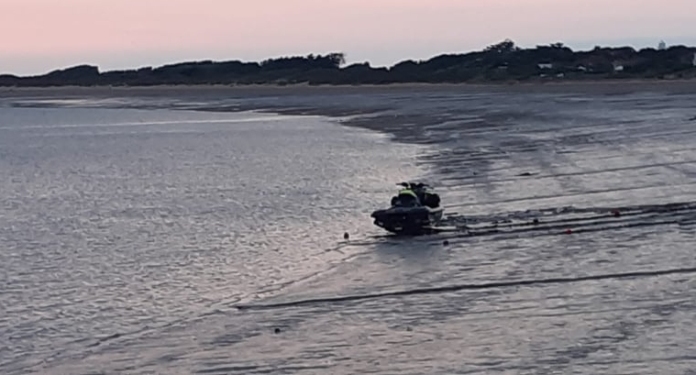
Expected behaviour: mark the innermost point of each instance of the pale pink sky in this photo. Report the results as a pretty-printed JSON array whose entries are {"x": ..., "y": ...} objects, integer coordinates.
[{"x": 40, "y": 35}]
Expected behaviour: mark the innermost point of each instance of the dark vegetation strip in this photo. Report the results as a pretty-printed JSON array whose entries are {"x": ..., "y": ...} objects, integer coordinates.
[{"x": 502, "y": 62}]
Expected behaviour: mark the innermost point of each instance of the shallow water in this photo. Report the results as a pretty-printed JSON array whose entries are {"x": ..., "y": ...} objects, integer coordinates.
[
  {"x": 152, "y": 217},
  {"x": 117, "y": 223}
]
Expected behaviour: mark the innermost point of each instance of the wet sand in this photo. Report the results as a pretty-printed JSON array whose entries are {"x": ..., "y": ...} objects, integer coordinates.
[{"x": 588, "y": 86}]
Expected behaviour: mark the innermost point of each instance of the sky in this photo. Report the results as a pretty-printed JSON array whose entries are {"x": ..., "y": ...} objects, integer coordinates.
[{"x": 37, "y": 36}]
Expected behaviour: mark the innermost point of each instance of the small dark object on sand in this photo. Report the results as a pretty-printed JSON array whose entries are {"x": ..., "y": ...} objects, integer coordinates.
[
  {"x": 445, "y": 243},
  {"x": 535, "y": 221},
  {"x": 276, "y": 331},
  {"x": 346, "y": 236},
  {"x": 616, "y": 213},
  {"x": 526, "y": 174}
]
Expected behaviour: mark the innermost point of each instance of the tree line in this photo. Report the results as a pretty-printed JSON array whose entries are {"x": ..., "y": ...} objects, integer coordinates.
[{"x": 499, "y": 62}]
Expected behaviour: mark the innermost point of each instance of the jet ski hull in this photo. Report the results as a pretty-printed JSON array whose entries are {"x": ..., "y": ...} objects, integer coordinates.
[{"x": 408, "y": 220}]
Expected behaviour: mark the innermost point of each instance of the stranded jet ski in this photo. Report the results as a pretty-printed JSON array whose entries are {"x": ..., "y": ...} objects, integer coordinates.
[{"x": 413, "y": 211}]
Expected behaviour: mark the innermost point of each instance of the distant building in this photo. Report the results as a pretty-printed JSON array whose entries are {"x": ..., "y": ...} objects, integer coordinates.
[
  {"x": 662, "y": 45},
  {"x": 618, "y": 67},
  {"x": 545, "y": 66}
]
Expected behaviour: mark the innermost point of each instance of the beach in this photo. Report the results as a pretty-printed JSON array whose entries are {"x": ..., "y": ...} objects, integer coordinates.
[{"x": 200, "y": 229}]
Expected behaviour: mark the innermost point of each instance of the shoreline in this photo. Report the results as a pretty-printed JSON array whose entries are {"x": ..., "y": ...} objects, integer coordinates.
[
  {"x": 569, "y": 86},
  {"x": 352, "y": 104}
]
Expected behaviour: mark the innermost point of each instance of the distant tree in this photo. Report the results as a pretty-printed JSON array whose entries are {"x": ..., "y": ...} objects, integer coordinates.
[
  {"x": 505, "y": 46},
  {"x": 337, "y": 59}
]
